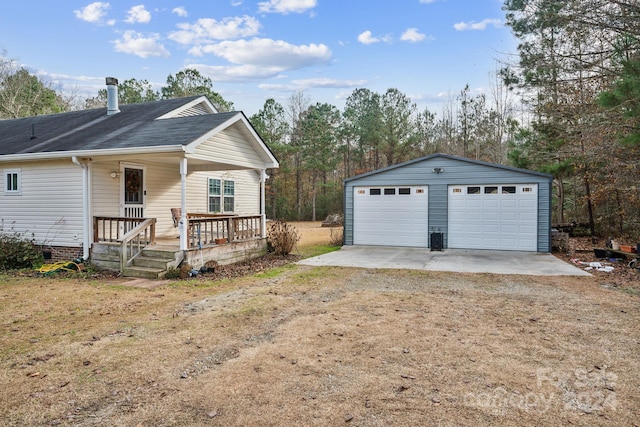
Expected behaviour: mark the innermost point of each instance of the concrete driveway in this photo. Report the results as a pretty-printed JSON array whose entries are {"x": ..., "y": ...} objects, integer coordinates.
[{"x": 456, "y": 260}]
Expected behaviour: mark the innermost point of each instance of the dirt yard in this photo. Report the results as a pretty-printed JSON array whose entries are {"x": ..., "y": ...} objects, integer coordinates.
[{"x": 300, "y": 345}]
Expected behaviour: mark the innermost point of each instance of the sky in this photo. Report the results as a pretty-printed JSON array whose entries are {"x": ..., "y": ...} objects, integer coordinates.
[{"x": 256, "y": 50}]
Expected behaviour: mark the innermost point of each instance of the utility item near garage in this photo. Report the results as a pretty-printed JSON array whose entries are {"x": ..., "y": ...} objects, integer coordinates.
[{"x": 442, "y": 201}]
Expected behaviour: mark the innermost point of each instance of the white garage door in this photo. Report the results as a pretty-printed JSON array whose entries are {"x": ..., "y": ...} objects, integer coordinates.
[
  {"x": 390, "y": 216},
  {"x": 502, "y": 217}
]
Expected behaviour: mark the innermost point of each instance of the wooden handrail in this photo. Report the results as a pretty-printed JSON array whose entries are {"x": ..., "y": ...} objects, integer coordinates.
[{"x": 137, "y": 239}]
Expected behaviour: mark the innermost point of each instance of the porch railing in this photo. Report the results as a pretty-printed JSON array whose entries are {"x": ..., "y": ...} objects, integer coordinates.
[
  {"x": 111, "y": 229},
  {"x": 202, "y": 229},
  {"x": 208, "y": 229},
  {"x": 133, "y": 235}
]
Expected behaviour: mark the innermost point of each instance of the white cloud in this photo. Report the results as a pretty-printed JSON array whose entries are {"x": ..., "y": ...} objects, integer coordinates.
[
  {"x": 367, "y": 37},
  {"x": 412, "y": 35},
  {"x": 327, "y": 83},
  {"x": 268, "y": 53},
  {"x": 180, "y": 11},
  {"x": 286, "y": 6},
  {"x": 208, "y": 29},
  {"x": 94, "y": 13},
  {"x": 136, "y": 44},
  {"x": 427, "y": 1},
  {"x": 482, "y": 25},
  {"x": 138, "y": 14},
  {"x": 236, "y": 73}
]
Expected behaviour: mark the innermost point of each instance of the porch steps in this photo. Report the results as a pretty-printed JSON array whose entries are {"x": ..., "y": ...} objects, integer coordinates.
[{"x": 153, "y": 263}]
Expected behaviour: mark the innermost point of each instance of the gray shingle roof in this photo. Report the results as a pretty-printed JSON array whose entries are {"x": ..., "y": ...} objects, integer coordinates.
[{"x": 134, "y": 127}]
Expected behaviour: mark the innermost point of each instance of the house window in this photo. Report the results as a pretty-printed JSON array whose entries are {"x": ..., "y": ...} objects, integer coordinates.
[
  {"x": 508, "y": 189},
  {"x": 404, "y": 191},
  {"x": 221, "y": 195},
  {"x": 374, "y": 192},
  {"x": 389, "y": 191},
  {"x": 229, "y": 196},
  {"x": 12, "y": 178}
]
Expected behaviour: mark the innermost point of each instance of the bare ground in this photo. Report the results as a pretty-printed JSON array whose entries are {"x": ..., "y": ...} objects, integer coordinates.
[{"x": 302, "y": 345}]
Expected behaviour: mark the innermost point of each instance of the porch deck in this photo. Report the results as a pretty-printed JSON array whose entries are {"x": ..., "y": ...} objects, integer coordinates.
[{"x": 121, "y": 244}]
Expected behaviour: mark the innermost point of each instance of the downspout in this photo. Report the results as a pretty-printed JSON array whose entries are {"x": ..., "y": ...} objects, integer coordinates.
[
  {"x": 263, "y": 208},
  {"x": 86, "y": 223},
  {"x": 183, "y": 204}
]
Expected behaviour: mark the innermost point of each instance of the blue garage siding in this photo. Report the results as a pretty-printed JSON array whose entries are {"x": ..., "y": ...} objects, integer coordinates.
[{"x": 454, "y": 171}]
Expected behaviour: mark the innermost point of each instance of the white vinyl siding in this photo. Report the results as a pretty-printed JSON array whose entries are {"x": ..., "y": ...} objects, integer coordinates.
[
  {"x": 231, "y": 147},
  {"x": 46, "y": 188}
]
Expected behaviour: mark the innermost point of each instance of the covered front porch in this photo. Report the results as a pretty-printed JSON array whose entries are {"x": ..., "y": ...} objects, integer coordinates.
[
  {"x": 132, "y": 246},
  {"x": 197, "y": 202}
]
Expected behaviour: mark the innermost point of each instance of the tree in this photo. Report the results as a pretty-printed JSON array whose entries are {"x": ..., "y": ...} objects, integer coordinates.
[
  {"x": 271, "y": 124},
  {"x": 318, "y": 128},
  {"x": 297, "y": 105},
  {"x": 23, "y": 94},
  {"x": 427, "y": 134},
  {"x": 624, "y": 98},
  {"x": 190, "y": 82},
  {"x": 567, "y": 57},
  {"x": 363, "y": 116},
  {"x": 130, "y": 91},
  {"x": 398, "y": 126}
]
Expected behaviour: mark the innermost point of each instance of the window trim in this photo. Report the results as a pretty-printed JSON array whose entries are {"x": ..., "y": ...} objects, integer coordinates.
[
  {"x": 18, "y": 182},
  {"x": 223, "y": 197}
]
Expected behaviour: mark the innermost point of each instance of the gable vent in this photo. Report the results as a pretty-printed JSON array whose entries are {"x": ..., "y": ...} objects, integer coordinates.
[{"x": 196, "y": 110}]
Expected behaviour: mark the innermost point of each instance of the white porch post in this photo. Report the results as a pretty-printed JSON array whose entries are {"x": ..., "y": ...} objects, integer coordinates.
[
  {"x": 263, "y": 207},
  {"x": 182, "y": 227}
]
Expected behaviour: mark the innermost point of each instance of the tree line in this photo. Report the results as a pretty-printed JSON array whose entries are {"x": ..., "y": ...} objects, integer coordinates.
[{"x": 568, "y": 105}]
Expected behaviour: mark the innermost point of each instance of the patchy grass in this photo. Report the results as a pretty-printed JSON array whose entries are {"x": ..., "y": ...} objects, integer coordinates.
[{"x": 301, "y": 345}]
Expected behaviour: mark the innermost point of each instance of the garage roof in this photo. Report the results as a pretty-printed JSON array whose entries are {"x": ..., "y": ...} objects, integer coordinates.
[{"x": 448, "y": 156}]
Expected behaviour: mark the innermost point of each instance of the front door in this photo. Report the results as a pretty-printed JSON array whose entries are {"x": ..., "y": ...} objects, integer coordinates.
[{"x": 133, "y": 191}]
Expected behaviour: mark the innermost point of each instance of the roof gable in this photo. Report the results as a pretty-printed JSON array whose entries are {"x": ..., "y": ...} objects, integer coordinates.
[{"x": 453, "y": 158}]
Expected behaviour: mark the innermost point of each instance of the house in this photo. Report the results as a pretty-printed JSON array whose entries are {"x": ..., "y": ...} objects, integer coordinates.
[
  {"x": 101, "y": 184},
  {"x": 442, "y": 201}
]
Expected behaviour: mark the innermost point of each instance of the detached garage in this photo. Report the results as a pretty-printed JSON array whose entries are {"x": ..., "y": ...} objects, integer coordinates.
[{"x": 442, "y": 201}]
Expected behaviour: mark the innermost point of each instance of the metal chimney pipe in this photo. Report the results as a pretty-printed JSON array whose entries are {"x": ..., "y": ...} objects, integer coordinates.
[{"x": 112, "y": 96}]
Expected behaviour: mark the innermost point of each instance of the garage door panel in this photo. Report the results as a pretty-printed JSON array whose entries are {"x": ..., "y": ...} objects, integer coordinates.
[
  {"x": 505, "y": 219},
  {"x": 391, "y": 219}
]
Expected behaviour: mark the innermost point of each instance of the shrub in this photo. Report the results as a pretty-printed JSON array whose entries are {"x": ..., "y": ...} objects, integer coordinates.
[
  {"x": 336, "y": 236},
  {"x": 282, "y": 237},
  {"x": 16, "y": 251},
  {"x": 172, "y": 274}
]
